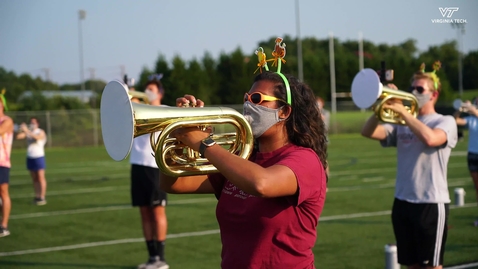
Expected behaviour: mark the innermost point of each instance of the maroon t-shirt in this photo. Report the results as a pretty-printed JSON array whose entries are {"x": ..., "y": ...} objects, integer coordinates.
[{"x": 272, "y": 232}]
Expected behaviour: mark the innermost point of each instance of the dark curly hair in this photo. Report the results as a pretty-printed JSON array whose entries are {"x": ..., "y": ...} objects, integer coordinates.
[{"x": 305, "y": 126}]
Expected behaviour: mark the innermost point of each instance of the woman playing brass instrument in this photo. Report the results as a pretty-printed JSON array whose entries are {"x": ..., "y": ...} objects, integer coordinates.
[
  {"x": 36, "y": 139},
  {"x": 269, "y": 205}
]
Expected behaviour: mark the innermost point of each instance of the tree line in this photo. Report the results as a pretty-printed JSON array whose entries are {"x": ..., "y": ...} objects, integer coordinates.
[{"x": 225, "y": 79}]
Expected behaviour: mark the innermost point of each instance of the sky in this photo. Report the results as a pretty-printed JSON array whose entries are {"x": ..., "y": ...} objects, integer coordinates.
[{"x": 41, "y": 37}]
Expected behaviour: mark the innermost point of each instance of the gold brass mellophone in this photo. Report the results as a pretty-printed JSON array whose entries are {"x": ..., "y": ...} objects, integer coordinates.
[
  {"x": 368, "y": 91},
  {"x": 123, "y": 120}
]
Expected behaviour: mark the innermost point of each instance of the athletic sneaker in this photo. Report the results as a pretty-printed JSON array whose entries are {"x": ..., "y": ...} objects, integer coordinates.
[
  {"x": 39, "y": 201},
  {"x": 154, "y": 264},
  {"x": 158, "y": 265},
  {"x": 4, "y": 231}
]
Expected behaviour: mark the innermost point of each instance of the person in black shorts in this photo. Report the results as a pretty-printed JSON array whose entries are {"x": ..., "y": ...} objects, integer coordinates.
[
  {"x": 424, "y": 143},
  {"x": 145, "y": 191}
]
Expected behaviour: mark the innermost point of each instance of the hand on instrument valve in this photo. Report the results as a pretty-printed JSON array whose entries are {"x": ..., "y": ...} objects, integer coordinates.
[
  {"x": 392, "y": 86},
  {"x": 189, "y": 100},
  {"x": 191, "y": 136},
  {"x": 396, "y": 105}
]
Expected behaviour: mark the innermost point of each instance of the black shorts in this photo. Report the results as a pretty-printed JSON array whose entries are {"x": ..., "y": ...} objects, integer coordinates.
[
  {"x": 4, "y": 175},
  {"x": 472, "y": 162},
  {"x": 145, "y": 189},
  {"x": 420, "y": 231}
]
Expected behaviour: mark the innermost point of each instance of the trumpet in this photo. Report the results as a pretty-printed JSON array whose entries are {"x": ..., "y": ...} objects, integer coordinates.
[
  {"x": 141, "y": 96},
  {"x": 368, "y": 91},
  {"x": 122, "y": 120},
  {"x": 462, "y": 106}
]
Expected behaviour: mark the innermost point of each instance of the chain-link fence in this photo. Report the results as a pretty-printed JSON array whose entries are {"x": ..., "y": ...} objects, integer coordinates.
[
  {"x": 73, "y": 128},
  {"x": 64, "y": 128}
]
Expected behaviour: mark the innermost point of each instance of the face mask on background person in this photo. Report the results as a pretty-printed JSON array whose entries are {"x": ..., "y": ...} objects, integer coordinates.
[
  {"x": 152, "y": 96},
  {"x": 260, "y": 117}
]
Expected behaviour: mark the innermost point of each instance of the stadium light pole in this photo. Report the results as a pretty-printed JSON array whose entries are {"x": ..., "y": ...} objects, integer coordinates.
[
  {"x": 360, "y": 46},
  {"x": 333, "y": 95},
  {"x": 299, "y": 42},
  {"x": 81, "y": 16},
  {"x": 460, "y": 31}
]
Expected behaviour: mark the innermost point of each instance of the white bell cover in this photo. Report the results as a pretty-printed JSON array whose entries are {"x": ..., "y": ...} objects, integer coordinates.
[
  {"x": 366, "y": 88},
  {"x": 117, "y": 120}
]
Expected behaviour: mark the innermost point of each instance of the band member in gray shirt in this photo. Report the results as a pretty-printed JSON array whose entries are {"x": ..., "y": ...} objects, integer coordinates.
[{"x": 420, "y": 209}]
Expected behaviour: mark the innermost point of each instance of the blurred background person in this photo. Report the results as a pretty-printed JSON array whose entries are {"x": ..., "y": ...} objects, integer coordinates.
[
  {"x": 325, "y": 115},
  {"x": 470, "y": 122},
  {"x": 36, "y": 164},
  {"x": 421, "y": 205},
  {"x": 130, "y": 83},
  {"x": 145, "y": 191},
  {"x": 6, "y": 140}
]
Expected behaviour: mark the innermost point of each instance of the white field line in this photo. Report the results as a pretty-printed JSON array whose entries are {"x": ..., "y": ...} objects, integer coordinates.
[
  {"x": 104, "y": 209},
  {"x": 350, "y": 172},
  {"x": 352, "y": 177},
  {"x": 189, "y": 201},
  {"x": 382, "y": 170},
  {"x": 189, "y": 234},
  {"x": 463, "y": 266},
  {"x": 379, "y": 152},
  {"x": 347, "y": 175},
  {"x": 69, "y": 170},
  {"x": 77, "y": 191},
  {"x": 375, "y": 158},
  {"x": 93, "y": 166},
  {"x": 373, "y": 179},
  {"x": 71, "y": 178},
  {"x": 458, "y": 153},
  {"x": 103, "y": 243},
  {"x": 458, "y": 182}
]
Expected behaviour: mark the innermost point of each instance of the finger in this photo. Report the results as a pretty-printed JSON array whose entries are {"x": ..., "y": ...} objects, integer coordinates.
[
  {"x": 175, "y": 133},
  {"x": 200, "y": 103},
  {"x": 392, "y": 86},
  {"x": 182, "y": 102},
  {"x": 191, "y": 99},
  {"x": 209, "y": 129}
]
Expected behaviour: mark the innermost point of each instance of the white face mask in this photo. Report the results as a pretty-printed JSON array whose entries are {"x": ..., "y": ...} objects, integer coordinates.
[
  {"x": 260, "y": 117},
  {"x": 152, "y": 96},
  {"x": 422, "y": 98}
]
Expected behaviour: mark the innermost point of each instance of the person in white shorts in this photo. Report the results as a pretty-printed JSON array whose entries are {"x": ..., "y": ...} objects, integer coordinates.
[{"x": 36, "y": 140}]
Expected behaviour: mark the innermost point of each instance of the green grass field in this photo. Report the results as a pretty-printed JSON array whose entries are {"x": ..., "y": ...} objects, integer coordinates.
[{"x": 89, "y": 223}]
